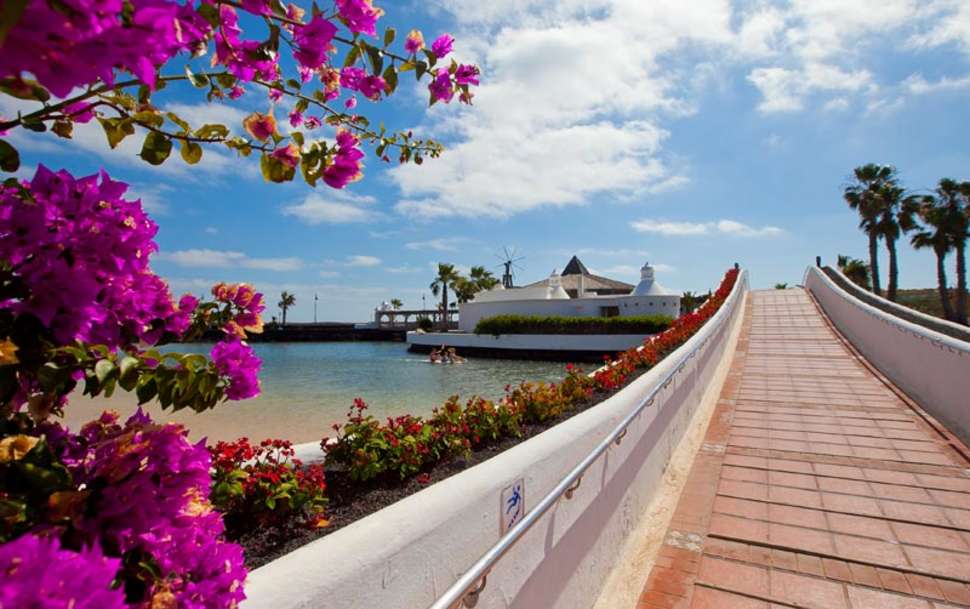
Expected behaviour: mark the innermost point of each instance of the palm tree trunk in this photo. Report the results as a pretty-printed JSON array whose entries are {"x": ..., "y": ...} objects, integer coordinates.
[
  {"x": 874, "y": 263},
  {"x": 893, "y": 269},
  {"x": 284, "y": 316},
  {"x": 444, "y": 307},
  {"x": 941, "y": 282},
  {"x": 962, "y": 282}
]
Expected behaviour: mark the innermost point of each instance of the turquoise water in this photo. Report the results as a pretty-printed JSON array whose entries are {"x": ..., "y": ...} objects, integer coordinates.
[{"x": 309, "y": 386}]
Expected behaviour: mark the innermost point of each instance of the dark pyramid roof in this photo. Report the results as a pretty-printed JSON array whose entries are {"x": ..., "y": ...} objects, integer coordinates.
[{"x": 575, "y": 267}]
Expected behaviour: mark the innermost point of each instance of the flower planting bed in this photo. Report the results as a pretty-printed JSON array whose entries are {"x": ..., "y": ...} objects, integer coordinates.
[{"x": 371, "y": 465}]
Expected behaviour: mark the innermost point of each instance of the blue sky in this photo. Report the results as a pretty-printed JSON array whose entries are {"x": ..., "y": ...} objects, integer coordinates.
[{"x": 690, "y": 134}]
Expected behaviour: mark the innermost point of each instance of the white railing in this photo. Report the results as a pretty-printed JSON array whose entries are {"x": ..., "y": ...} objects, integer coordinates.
[{"x": 932, "y": 368}]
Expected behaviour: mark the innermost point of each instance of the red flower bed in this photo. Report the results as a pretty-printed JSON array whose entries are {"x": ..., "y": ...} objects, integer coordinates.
[{"x": 408, "y": 444}]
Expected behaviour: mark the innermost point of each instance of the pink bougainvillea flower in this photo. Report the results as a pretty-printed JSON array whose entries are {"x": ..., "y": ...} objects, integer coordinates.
[
  {"x": 442, "y": 45},
  {"x": 260, "y": 126},
  {"x": 466, "y": 75},
  {"x": 350, "y": 103},
  {"x": 312, "y": 122},
  {"x": 360, "y": 15},
  {"x": 236, "y": 92},
  {"x": 80, "y": 112},
  {"x": 314, "y": 42},
  {"x": 346, "y": 164},
  {"x": 289, "y": 155},
  {"x": 296, "y": 118},
  {"x": 440, "y": 87},
  {"x": 414, "y": 42}
]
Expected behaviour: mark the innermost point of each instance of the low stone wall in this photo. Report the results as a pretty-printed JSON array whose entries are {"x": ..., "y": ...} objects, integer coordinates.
[
  {"x": 932, "y": 368},
  {"x": 556, "y": 347},
  {"x": 408, "y": 553},
  {"x": 936, "y": 324}
]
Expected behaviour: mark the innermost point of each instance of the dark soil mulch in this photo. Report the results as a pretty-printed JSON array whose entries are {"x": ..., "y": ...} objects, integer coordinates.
[{"x": 350, "y": 501}]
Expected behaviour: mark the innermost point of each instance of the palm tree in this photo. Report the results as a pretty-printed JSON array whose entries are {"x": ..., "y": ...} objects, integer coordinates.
[
  {"x": 890, "y": 197},
  {"x": 862, "y": 197},
  {"x": 465, "y": 289},
  {"x": 482, "y": 278},
  {"x": 855, "y": 269},
  {"x": 396, "y": 303},
  {"x": 935, "y": 232},
  {"x": 287, "y": 300},
  {"x": 954, "y": 197},
  {"x": 447, "y": 277}
]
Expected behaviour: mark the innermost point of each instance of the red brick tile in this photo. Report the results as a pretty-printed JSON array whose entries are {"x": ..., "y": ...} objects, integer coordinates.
[
  {"x": 782, "y": 559},
  {"x": 794, "y": 496},
  {"x": 924, "y": 586},
  {"x": 929, "y": 536},
  {"x": 799, "y": 467},
  {"x": 914, "y": 512},
  {"x": 840, "y": 485},
  {"x": 811, "y": 565},
  {"x": 864, "y": 575},
  {"x": 745, "y": 490},
  {"x": 670, "y": 581},
  {"x": 901, "y": 493},
  {"x": 954, "y": 592},
  {"x": 891, "y": 477},
  {"x": 862, "y": 598},
  {"x": 931, "y": 560},
  {"x": 851, "y": 504},
  {"x": 807, "y": 591},
  {"x": 799, "y": 538},
  {"x": 870, "y": 551},
  {"x": 739, "y": 528},
  {"x": 959, "y": 518},
  {"x": 859, "y": 525},
  {"x": 836, "y": 569},
  {"x": 951, "y": 499},
  {"x": 744, "y": 474},
  {"x": 790, "y": 479},
  {"x": 741, "y": 507},
  {"x": 841, "y": 471},
  {"x": 658, "y": 600},
  {"x": 745, "y": 461},
  {"x": 734, "y": 576},
  {"x": 787, "y": 514},
  {"x": 894, "y": 581},
  {"x": 706, "y": 598}
]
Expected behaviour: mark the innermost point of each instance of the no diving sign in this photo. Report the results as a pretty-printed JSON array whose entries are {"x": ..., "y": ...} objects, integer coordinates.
[{"x": 512, "y": 507}]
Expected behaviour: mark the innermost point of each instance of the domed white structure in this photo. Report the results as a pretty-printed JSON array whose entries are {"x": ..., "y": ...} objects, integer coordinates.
[{"x": 648, "y": 286}]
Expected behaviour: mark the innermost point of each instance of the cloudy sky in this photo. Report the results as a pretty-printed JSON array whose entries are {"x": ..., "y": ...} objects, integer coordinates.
[{"x": 689, "y": 133}]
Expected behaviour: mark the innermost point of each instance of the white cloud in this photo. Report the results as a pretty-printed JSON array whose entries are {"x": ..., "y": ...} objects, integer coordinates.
[
  {"x": 208, "y": 258},
  {"x": 837, "y": 104},
  {"x": 404, "y": 269},
  {"x": 785, "y": 90},
  {"x": 444, "y": 244},
  {"x": 724, "y": 227},
  {"x": 333, "y": 207},
  {"x": 211, "y": 230},
  {"x": 917, "y": 85},
  {"x": 329, "y": 274},
  {"x": 363, "y": 261}
]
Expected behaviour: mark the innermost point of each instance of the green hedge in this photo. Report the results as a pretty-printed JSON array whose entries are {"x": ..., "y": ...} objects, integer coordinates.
[{"x": 554, "y": 324}]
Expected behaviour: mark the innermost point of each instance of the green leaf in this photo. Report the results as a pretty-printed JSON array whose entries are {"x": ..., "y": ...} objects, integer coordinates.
[
  {"x": 420, "y": 70},
  {"x": 352, "y": 56},
  {"x": 156, "y": 148},
  {"x": 390, "y": 80},
  {"x": 9, "y": 157},
  {"x": 225, "y": 79},
  {"x": 274, "y": 170},
  {"x": 63, "y": 128},
  {"x": 199, "y": 81},
  {"x": 116, "y": 129},
  {"x": 211, "y": 14},
  {"x": 432, "y": 58},
  {"x": 103, "y": 369},
  {"x": 147, "y": 389},
  {"x": 178, "y": 120},
  {"x": 389, "y": 35},
  {"x": 191, "y": 152},
  {"x": 407, "y": 65},
  {"x": 376, "y": 58},
  {"x": 10, "y": 12},
  {"x": 294, "y": 84},
  {"x": 24, "y": 88},
  {"x": 210, "y": 131}
]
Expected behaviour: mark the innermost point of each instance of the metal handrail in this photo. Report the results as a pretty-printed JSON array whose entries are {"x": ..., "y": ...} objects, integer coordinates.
[{"x": 462, "y": 590}]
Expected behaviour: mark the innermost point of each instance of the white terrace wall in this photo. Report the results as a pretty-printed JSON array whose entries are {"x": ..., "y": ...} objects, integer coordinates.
[
  {"x": 932, "y": 368},
  {"x": 549, "y": 342},
  {"x": 407, "y": 554},
  {"x": 469, "y": 313}
]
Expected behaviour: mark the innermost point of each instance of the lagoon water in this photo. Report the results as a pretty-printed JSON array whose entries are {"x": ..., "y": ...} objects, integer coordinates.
[{"x": 306, "y": 387}]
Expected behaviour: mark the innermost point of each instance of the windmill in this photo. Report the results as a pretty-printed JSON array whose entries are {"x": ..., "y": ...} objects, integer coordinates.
[{"x": 509, "y": 261}]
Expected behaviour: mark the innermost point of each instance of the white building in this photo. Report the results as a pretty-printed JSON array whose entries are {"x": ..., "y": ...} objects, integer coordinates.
[{"x": 583, "y": 295}]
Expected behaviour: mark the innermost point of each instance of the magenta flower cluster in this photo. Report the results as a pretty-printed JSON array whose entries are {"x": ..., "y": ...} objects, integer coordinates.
[
  {"x": 81, "y": 251},
  {"x": 237, "y": 362},
  {"x": 177, "y": 528},
  {"x": 38, "y": 574},
  {"x": 346, "y": 163},
  {"x": 63, "y": 44}
]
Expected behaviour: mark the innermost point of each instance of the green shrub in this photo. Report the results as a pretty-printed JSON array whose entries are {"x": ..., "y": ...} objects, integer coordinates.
[
  {"x": 425, "y": 323},
  {"x": 553, "y": 324}
]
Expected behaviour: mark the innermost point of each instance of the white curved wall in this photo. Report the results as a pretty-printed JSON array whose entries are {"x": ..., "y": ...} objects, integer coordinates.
[
  {"x": 407, "y": 554},
  {"x": 549, "y": 342},
  {"x": 932, "y": 368}
]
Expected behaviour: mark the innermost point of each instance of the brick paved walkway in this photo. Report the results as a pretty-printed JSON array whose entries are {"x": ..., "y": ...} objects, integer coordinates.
[{"x": 817, "y": 486}]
